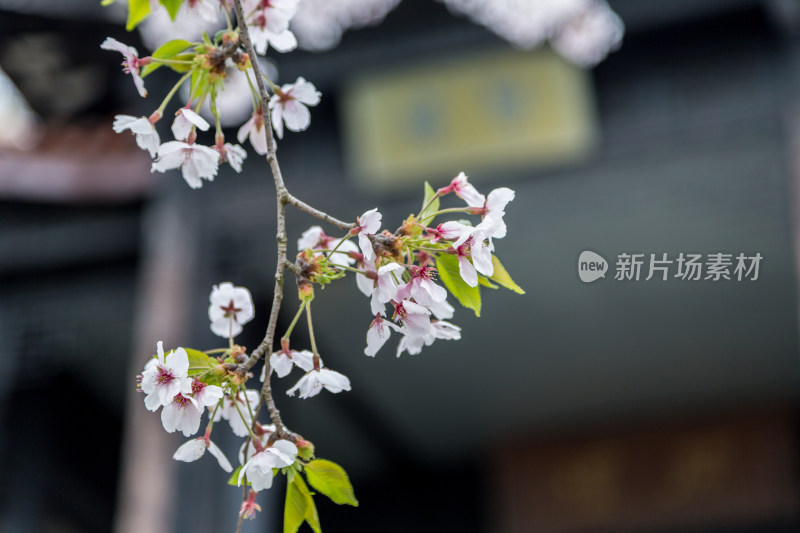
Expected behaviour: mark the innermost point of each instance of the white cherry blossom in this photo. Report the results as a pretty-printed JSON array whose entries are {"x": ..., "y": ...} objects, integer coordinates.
[
  {"x": 254, "y": 130},
  {"x": 230, "y": 307},
  {"x": 439, "y": 330},
  {"x": 194, "y": 449},
  {"x": 259, "y": 468},
  {"x": 497, "y": 201},
  {"x": 195, "y": 161},
  {"x": 464, "y": 190},
  {"x": 477, "y": 250},
  {"x": 269, "y": 24},
  {"x": 181, "y": 414},
  {"x": 288, "y": 105},
  {"x": 206, "y": 395},
  {"x": 185, "y": 120},
  {"x": 385, "y": 290},
  {"x": 414, "y": 317},
  {"x": 233, "y": 154},
  {"x": 146, "y": 135},
  {"x": 131, "y": 63},
  {"x": 368, "y": 224},
  {"x": 263, "y": 38},
  {"x": 377, "y": 334},
  {"x": 282, "y": 361},
  {"x": 165, "y": 377},
  {"x": 313, "y": 382},
  {"x": 422, "y": 288}
]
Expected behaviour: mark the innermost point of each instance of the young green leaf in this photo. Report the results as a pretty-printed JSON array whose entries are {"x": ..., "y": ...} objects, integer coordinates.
[
  {"x": 470, "y": 297},
  {"x": 172, "y": 7},
  {"x": 234, "y": 479},
  {"x": 107, "y": 2},
  {"x": 299, "y": 507},
  {"x": 168, "y": 50},
  {"x": 294, "y": 510},
  {"x": 137, "y": 11},
  {"x": 483, "y": 280},
  {"x": 425, "y": 218},
  {"x": 199, "y": 360},
  {"x": 331, "y": 480},
  {"x": 502, "y": 277}
]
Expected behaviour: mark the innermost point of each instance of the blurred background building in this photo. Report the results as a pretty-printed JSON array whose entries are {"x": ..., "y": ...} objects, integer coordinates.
[{"x": 663, "y": 406}]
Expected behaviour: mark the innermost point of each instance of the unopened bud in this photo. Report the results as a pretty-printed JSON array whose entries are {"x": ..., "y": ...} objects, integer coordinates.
[
  {"x": 305, "y": 291},
  {"x": 305, "y": 449}
]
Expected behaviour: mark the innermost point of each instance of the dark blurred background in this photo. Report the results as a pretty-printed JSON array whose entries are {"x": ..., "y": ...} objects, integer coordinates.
[{"x": 656, "y": 406}]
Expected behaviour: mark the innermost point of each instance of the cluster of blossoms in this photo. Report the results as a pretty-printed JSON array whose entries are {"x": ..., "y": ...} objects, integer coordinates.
[
  {"x": 187, "y": 382},
  {"x": 205, "y": 66},
  {"x": 398, "y": 271}
]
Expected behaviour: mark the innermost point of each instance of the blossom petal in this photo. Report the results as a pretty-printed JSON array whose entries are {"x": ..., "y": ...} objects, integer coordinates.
[
  {"x": 305, "y": 92},
  {"x": 221, "y": 459},
  {"x": 281, "y": 364},
  {"x": 467, "y": 271},
  {"x": 191, "y": 450}
]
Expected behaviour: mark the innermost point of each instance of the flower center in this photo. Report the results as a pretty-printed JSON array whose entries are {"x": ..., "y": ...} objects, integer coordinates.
[
  {"x": 230, "y": 310},
  {"x": 197, "y": 386},
  {"x": 165, "y": 376},
  {"x": 180, "y": 401}
]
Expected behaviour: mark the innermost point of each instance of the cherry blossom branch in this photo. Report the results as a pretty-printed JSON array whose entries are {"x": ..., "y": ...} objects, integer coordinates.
[
  {"x": 302, "y": 206},
  {"x": 282, "y": 198}
]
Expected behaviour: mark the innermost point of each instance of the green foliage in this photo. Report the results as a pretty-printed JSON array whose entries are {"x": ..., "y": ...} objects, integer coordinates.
[
  {"x": 502, "y": 277},
  {"x": 299, "y": 507},
  {"x": 331, "y": 480},
  {"x": 483, "y": 280},
  {"x": 425, "y": 217},
  {"x": 234, "y": 479},
  {"x": 172, "y": 7},
  {"x": 469, "y": 297},
  {"x": 137, "y": 12},
  {"x": 199, "y": 362},
  {"x": 170, "y": 50}
]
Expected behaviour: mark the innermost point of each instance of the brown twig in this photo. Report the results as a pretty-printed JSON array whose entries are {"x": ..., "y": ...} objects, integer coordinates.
[{"x": 302, "y": 206}]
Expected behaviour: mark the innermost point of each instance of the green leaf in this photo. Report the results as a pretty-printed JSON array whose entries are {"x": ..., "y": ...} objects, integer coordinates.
[
  {"x": 331, "y": 480},
  {"x": 501, "y": 276},
  {"x": 168, "y": 50},
  {"x": 234, "y": 479},
  {"x": 470, "y": 297},
  {"x": 432, "y": 208},
  {"x": 107, "y": 2},
  {"x": 199, "y": 362},
  {"x": 299, "y": 507},
  {"x": 137, "y": 11},
  {"x": 199, "y": 85},
  {"x": 172, "y": 7},
  {"x": 486, "y": 283}
]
